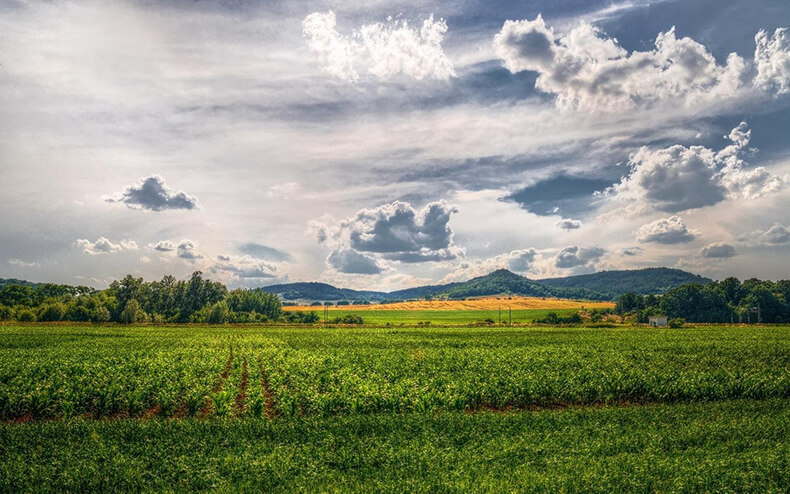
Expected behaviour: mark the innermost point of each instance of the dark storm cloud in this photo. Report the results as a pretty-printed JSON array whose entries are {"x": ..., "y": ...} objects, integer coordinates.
[
  {"x": 264, "y": 252},
  {"x": 152, "y": 193},
  {"x": 352, "y": 262},
  {"x": 571, "y": 257},
  {"x": 562, "y": 194}
]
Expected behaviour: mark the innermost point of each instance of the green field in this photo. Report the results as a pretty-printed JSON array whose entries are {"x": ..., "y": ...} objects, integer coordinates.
[
  {"x": 486, "y": 409},
  {"x": 444, "y": 317}
]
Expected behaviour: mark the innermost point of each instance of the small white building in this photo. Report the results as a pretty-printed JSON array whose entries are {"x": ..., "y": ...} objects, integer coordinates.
[{"x": 657, "y": 321}]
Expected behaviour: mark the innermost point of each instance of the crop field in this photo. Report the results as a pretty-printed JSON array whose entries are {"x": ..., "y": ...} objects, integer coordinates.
[
  {"x": 309, "y": 408},
  {"x": 441, "y": 317},
  {"x": 475, "y": 304},
  {"x": 518, "y": 310}
]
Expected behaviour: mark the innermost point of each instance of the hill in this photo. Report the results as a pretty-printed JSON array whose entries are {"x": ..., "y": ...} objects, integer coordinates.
[
  {"x": 321, "y": 291},
  {"x": 615, "y": 283},
  {"x": 503, "y": 281},
  {"x": 606, "y": 285}
]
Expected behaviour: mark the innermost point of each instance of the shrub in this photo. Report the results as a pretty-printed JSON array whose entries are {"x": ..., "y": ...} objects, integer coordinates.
[
  {"x": 219, "y": 313},
  {"x": 25, "y": 315},
  {"x": 349, "y": 319},
  {"x": 52, "y": 312},
  {"x": 677, "y": 322},
  {"x": 6, "y": 313}
]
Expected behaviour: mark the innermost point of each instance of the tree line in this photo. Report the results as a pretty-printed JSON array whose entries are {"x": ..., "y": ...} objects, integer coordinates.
[
  {"x": 132, "y": 300},
  {"x": 729, "y": 300}
]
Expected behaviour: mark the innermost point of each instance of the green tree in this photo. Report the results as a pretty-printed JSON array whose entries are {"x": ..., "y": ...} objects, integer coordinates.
[{"x": 132, "y": 313}]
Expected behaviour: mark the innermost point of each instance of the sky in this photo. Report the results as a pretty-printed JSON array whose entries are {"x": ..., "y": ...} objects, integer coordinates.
[{"x": 384, "y": 145}]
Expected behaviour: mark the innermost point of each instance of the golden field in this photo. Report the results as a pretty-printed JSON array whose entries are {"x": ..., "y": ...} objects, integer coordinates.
[{"x": 482, "y": 303}]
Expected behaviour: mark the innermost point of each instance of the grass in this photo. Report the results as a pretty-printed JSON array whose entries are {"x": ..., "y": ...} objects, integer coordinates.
[
  {"x": 392, "y": 409},
  {"x": 737, "y": 446}
]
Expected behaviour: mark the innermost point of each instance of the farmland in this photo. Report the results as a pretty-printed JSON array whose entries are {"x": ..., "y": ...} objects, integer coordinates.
[
  {"x": 518, "y": 310},
  {"x": 279, "y": 402}
]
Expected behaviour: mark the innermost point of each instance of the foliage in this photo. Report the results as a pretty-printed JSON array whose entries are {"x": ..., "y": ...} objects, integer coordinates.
[
  {"x": 25, "y": 315},
  {"x": 676, "y": 323},
  {"x": 554, "y": 318},
  {"x": 725, "y": 301},
  {"x": 349, "y": 319},
  {"x": 300, "y": 317}
]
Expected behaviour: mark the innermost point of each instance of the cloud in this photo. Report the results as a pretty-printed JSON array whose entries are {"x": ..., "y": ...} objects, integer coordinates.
[
  {"x": 632, "y": 251},
  {"x": 679, "y": 178},
  {"x": 571, "y": 257},
  {"x": 264, "y": 252},
  {"x": 776, "y": 235},
  {"x": 772, "y": 60},
  {"x": 187, "y": 249},
  {"x": 586, "y": 70},
  {"x": 352, "y": 262},
  {"x": 105, "y": 246},
  {"x": 395, "y": 231},
  {"x": 568, "y": 224},
  {"x": 560, "y": 194},
  {"x": 23, "y": 264},
  {"x": 244, "y": 267},
  {"x": 666, "y": 231},
  {"x": 382, "y": 50},
  {"x": 152, "y": 193},
  {"x": 164, "y": 246},
  {"x": 717, "y": 250},
  {"x": 519, "y": 261}
]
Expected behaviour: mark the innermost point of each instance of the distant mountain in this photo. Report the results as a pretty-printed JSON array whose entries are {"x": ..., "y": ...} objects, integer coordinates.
[
  {"x": 503, "y": 281},
  {"x": 321, "y": 291},
  {"x": 615, "y": 283},
  {"x": 606, "y": 285}
]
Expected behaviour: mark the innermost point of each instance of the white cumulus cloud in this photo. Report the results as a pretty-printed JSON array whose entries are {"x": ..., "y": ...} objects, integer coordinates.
[{"x": 382, "y": 49}]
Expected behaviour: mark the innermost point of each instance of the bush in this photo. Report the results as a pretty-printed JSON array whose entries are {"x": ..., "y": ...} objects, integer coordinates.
[
  {"x": 349, "y": 319},
  {"x": 301, "y": 317},
  {"x": 219, "y": 313},
  {"x": 25, "y": 315},
  {"x": 553, "y": 318},
  {"x": 677, "y": 322},
  {"x": 101, "y": 314},
  {"x": 52, "y": 312},
  {"x": 6, "y": 313}
]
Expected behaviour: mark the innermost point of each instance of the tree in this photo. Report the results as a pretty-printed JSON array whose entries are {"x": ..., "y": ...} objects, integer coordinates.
[
  {"x": 132, "y": 313},
  {"x": 54, "y": 311},
  {"x": 12, "y": 295},
  {"x": 219, "y": 313}
]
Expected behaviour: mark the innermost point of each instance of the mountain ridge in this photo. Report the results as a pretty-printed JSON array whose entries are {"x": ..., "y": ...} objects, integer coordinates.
[{"x": 604, "y": 285}]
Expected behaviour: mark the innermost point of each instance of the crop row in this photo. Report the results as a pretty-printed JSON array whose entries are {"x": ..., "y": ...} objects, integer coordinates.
[{"x": 142, "y": 372}]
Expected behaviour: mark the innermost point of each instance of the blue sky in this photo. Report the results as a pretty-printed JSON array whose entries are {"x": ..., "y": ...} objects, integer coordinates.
[{"x": 392, "y": 144}]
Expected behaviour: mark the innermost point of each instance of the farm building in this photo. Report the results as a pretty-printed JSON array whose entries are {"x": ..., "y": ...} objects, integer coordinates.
[{"x": 657, "y": 321}]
